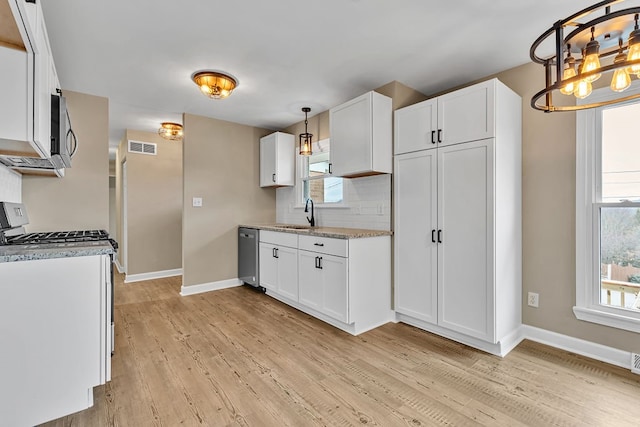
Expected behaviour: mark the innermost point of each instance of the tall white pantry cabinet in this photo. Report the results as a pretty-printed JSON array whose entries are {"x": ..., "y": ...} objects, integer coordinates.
[{"x": 458, "y": 216}]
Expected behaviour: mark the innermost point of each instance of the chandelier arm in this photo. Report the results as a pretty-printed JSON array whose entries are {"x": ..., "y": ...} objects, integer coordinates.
[
  {"x": 599, "y": 20},
  {"x": 564, "y": 108}
]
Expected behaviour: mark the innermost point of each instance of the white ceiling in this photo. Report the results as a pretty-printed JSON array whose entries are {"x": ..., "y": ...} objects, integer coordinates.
[{"x": 286, "y": 53}]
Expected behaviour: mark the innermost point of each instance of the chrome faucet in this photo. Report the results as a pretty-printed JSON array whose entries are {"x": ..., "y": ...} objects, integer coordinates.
[{"x": 312, "y": 220}]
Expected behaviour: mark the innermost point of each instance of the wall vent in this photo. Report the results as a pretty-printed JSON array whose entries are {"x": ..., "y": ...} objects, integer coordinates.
[
  {"x": 635, "y": 363},
  {"x": 143, "y": 147}
]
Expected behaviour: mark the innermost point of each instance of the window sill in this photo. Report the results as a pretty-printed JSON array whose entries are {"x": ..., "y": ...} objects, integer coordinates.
[
  {"x": 325, "y": 206},
  {"x": 614, "y": 320}
]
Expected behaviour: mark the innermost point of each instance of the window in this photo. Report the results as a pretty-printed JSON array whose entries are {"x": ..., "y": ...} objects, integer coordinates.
[
  {"x": 608, "y": 214},
  {"x": 316, "y": 183}
]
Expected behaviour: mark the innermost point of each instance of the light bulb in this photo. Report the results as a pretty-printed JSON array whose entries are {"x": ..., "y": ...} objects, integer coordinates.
[
  {"x": 569, "y": 87},
  {"x": 591, "y": 62},
  {"x": 569, "y": 72},
  {"x": 634, "y": 52},
  {"x": 583, "y": 89},
  {"x": 621, "y": 79}
]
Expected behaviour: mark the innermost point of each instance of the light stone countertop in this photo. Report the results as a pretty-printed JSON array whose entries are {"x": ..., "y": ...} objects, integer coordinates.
[
  {"x": 11, "y": 253},
  {"x": 334, "y": 232}
]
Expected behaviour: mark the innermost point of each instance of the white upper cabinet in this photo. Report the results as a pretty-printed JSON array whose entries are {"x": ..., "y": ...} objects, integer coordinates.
[
  {"x": 416, "y": 127},
  {"x": 361, "y": 136},
  {"x": 277, "y": 160},
  {"x": 467, "y": 114},
  {"x": 27, "y": 81},
  {"x": 464, "y": 115}
]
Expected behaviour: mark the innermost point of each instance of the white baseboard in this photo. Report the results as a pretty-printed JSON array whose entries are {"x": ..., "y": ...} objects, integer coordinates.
[
  {"x": 129, "y": 278},
  {"x": 207, "y": 287},
  {"x": 118, "y": 266},
  {"x": 595, "y": 351}
]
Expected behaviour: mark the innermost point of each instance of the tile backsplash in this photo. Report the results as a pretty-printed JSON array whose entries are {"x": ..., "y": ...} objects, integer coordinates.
[
  {"x": 368, "y": 205},
  {"x": 10, "y": 185}
]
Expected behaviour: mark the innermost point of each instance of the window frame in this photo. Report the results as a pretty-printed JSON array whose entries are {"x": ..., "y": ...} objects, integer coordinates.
[
  {"x": 301, "y": 178},
  {"x": 588, "y": 204}
]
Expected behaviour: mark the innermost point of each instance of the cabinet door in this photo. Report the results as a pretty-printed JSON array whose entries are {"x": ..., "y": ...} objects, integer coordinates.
[
  {"x": 268, "y": 161},
  {"x": 42, "y": 84},
  {"x": 467, "y": 114},
  {"x": 268, "y": 267},
  {"x": 351, "y": 136},
  {"x": 465, "y": 256},
  {"x": 288, "y": 272},
  {"x": 416, "y": 127},
  {"x": 415, "y": 235},
  {"x": 310, "y": 280},
  {"x": 335, "y": 300}
]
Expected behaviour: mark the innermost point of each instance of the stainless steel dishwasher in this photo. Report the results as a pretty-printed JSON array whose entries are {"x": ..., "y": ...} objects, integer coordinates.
[{"x": 248, "y": 259}]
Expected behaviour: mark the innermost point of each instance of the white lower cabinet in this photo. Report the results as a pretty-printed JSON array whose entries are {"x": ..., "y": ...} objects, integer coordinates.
[
  {"x": 55, "y": 325},
  {"x": 344, "y": 282},
  {"x": 323, "y": 283},
  {"x": 279, "y": 263}
]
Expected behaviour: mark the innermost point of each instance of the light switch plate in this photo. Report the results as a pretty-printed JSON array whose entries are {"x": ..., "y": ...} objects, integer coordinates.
[{"x": 197, "y": 202}]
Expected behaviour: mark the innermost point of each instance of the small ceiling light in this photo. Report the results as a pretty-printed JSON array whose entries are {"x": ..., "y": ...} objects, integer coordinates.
[
  {"x": 569, "y": 72},
  {"x": 594, "y": 42},
  {"x": 214, "y": 84},
  {"x": 171, "y": 131},
  {"x": 634, "y": 48},
  {"x": 621, "y": 79},
  {"x": 306, "y": 138}
]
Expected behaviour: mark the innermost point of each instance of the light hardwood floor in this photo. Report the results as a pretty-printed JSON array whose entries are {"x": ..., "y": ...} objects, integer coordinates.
[{"x": 240, "y": 358}]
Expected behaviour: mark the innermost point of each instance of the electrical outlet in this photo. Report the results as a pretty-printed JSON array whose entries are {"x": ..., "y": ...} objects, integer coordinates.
[
  {"x": 197, "y": 202},
  {"x": 533, "y": 299}
]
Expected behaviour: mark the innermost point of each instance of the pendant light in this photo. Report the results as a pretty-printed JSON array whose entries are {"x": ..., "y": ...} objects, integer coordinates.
[
  {"x": 634, "y": 48},
  {"x": 591, "y": 58},
  {"x": 569, "y": 72},
  {"x": 621, "y": 79},
  {"x": 306, "y": 139}
]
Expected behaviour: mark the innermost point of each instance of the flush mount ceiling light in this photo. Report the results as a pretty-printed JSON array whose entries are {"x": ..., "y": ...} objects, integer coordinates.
[
  {"x": 306, "y": 138},
  {"x": 596, "y": 35},
  {"x": 171, "y": 131},
  {"x": 214, "y": 84}
]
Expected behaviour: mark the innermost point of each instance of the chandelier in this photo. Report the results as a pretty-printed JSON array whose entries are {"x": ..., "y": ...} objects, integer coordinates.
[
  {"x": 214, "y": 84},
  {"x": 171, "y": 131},
  {"x": 306, "y": 138},
  {"x": 598, "y": 42}
]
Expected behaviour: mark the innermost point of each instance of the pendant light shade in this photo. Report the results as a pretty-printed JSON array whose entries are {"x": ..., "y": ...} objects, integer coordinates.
[
  {"x": 306, "y": 139},
  {"x": 171, "y": 131},
  {"x": 214, "y": 84}
]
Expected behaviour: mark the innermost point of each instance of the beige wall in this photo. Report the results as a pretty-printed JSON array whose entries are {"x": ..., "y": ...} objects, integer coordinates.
[
  {"x": 548, "y": 190},
  {"x": 154, "y": 205},
  {"x": 80, "y": 200},
  {"x": 221, "y": 165}
]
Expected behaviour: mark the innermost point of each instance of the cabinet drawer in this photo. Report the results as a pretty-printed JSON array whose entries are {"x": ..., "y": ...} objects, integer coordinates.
[
  {"x": 282, "y": 239},
  {"x": 325, "y": 245}
]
